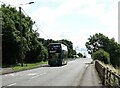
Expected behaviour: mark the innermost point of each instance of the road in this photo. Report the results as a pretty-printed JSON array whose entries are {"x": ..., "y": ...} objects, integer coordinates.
[{"x": 76, "y": 73}]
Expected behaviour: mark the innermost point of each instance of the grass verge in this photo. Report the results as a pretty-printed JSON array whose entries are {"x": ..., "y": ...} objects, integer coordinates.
[{"x": 28, "y": 66}]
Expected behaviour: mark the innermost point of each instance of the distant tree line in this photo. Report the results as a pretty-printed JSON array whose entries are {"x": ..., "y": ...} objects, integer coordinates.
[
  {"x": 34, "y": 48},
  {"x": 102, "y": 48}
]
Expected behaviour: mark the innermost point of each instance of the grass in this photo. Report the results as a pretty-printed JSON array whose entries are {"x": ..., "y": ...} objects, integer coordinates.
[{"x": 28, "y": 66}]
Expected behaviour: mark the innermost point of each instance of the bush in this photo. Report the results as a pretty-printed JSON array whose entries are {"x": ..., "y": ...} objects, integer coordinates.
[{"x": 102, "y": 56}]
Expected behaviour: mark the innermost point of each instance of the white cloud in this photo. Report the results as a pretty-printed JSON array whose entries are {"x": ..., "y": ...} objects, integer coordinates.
[
  {"x": 98, "y": 11},
  {"x": 46, "y": 18},
  {"x": 48, "y": 15},
  {"x": 71, "y": 5},
  {"x": 50, "y": 1}
]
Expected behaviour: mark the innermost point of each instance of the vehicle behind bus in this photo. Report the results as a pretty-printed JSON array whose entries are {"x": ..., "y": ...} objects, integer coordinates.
[{"x": 57, "y": 54}]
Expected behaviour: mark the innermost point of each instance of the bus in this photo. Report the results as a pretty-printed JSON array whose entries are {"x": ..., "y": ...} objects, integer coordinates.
[{"x": 57, "y": 54}]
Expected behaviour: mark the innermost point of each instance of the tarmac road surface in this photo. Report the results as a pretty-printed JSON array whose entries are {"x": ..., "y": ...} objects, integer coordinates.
[{"x": 77, "y": 72}]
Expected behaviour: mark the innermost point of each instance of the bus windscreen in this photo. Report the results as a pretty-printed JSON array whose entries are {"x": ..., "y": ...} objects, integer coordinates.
[{"x": 54, "y": 48}]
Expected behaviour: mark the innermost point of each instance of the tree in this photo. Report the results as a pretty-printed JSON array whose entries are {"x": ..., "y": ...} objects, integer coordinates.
[
  {"x": 69, "y": 44},
  {"x": 100, "y": 41},
  {"x": 74, "y": 52},
  {"x": 80, "y": 54},
  {"x": 102, "y": 56},
  {"x": 32, "y": 48},
  {"x": 96, "y": 42},
  {"x": 10, "y": 35}
]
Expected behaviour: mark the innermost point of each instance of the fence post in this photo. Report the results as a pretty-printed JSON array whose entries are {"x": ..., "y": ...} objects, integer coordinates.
[
  {"x": 95, "y": 65},
  {"x": 119, "y": 80},
  {"x": 107, "y": 77},
  {"x": 109, "y": 80},
  {"x": 114, "y": 78},
  {"x": 103, "y": 81}
]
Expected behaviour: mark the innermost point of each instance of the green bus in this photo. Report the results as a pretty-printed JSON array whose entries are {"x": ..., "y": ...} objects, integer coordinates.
[{"x": 57, "y": 54}]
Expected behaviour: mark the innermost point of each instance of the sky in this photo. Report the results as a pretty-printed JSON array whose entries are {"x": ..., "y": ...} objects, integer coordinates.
[{"x": 74, "y": 20}]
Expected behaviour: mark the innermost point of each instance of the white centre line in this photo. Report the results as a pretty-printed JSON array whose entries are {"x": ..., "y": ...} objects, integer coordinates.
[
  {"x": 37, "y": 75},
  {"x": 86, "y": 65},
  {"x": 6, "y": 75},
  {"x": 32, "y": 74},
  {"x": 42, "y": 73},
  {"x": 12, "y": 74},
  {"x": 12, "y": 84}
]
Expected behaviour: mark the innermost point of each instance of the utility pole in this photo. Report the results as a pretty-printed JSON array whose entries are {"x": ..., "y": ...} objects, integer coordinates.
[
  {"x": 0, "y": 39},
  {"x": 119, "y": 36},
  {"x": 21, "y": 39}
]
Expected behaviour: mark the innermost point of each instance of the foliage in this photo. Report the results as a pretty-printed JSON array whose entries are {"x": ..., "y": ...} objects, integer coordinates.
[
  {"x": 102, "y": 56},
  {"x": 100, "y": 41},
  {"x": 10, "y": 34},
  {"x": 33, "y": 47},
  {"x": 69, "y": 44},
  {"x": 80, "y": 54},
  {"x": 115, "y": 70},
  {"x": 33, "y": 50},
  {"x": 84, "y": 56},
  {"x": 74, "y": 52}
]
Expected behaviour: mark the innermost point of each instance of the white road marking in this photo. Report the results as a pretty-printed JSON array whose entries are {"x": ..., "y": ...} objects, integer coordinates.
[
  {"x": 86, "y": 65},
  {"x": 32, "y": 74},
  {"x": 43, "y": 74},
  {"x": 37, "y": 75},
  {"x": 12, "y": 84},
  {"x": 14, "y": 74},
  {"x": 11, "y": 74}
]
